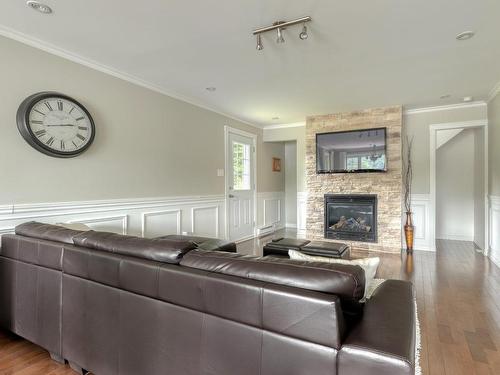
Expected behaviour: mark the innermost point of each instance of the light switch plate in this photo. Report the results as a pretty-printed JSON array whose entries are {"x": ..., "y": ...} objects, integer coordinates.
[{"x": 220, "y": 172}]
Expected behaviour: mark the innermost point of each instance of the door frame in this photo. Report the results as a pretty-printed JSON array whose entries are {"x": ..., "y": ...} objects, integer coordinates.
[
  {"x": 227, "y": 130},
  {"x": 433, "y": 128}
]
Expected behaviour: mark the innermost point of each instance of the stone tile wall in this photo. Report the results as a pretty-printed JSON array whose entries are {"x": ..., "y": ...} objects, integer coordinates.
[{"x": 387, "y": 185}]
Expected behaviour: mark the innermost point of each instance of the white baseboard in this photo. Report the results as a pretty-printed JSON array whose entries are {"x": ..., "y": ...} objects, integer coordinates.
[
  {"x": 266, "y": 231},
  {"x": 494, "y": 258},
  {"x": 494, "y": 224},
  {"x": 455, "y": 237}
]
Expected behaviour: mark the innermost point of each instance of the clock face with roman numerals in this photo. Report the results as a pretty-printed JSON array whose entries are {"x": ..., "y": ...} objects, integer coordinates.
[{"x": 55, "y": 124}]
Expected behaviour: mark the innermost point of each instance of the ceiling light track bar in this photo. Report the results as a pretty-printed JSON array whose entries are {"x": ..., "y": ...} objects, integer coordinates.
[{"x": 281, "y": 25}]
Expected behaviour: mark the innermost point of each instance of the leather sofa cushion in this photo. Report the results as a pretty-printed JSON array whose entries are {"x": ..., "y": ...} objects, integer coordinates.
[
  {"x": 46, "y": 232},
  {"x": 160, "y": 250},
  {"x": 346, "y": 281}
]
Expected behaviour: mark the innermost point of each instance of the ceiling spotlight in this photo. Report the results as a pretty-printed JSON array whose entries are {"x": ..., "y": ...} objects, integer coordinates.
[
  {"x": 259, "y": 47},
  {"x": 445, "y": 96},
  {"x": 42, "y": 8},
  {"x": 303, "y": 34},
  {"x": 275, "y": 118},
  {"x": 211, "y": 89},
  {"x": 468, "y": 99},
  {"x": 465, "y": 35},
  {"x": 280, "y": 38}
]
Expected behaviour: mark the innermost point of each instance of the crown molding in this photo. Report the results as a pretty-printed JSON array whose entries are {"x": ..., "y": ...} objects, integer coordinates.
[
  {"x": 284, "y": 126},
  {"x": 106, "y": 69},
  {"x": 494, "y": 92},
  {"x": 449, "y": 107}
]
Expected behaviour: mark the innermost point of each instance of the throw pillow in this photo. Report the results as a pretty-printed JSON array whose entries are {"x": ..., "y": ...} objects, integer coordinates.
[{"x": 369, "y": 265}]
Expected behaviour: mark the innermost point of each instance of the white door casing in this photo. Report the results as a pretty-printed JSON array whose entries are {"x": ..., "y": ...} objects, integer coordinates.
[{"x": 240, "y": 186}]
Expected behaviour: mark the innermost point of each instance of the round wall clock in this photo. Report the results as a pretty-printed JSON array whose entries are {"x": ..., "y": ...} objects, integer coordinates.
[{"x": 55, "y": 124}]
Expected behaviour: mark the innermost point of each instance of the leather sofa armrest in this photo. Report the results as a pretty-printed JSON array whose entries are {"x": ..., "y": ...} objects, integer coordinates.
[{"x": 383, "y": 341}]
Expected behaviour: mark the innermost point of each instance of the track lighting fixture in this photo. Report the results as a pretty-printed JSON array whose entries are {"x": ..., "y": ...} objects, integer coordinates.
[
  {"x": 259, "y": 43},
  {"x": 279, "y": 26}
]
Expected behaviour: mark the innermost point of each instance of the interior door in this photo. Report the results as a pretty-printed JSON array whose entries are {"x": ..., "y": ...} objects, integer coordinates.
[{"x": 240, "y": 186}]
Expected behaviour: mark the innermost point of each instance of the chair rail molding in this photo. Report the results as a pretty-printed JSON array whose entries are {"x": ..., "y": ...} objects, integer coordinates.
[
  {"x": 147, "y": 217},
  {"x": 494, "y": 222}
]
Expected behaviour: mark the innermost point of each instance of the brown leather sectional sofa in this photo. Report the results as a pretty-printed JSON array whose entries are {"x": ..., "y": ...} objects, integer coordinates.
[{"x": 115, "y": 304}]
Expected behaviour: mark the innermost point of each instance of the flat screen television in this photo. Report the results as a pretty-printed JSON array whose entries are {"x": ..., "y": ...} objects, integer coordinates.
[{"x": 355, "y": 151}]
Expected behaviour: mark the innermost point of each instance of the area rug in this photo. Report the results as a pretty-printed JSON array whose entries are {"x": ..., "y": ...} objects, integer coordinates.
[{"x": 371, "y": 288}]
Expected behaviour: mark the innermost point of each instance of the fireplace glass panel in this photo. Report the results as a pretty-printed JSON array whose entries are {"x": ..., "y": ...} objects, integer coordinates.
[{"x": 350, "y": 217}]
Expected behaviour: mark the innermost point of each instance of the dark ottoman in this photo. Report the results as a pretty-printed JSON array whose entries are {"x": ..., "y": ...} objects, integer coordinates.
[
  {"x": 317, "y": 248},
  {"x": 280, "y": 247},
  {"x": 326, "y": 249}
]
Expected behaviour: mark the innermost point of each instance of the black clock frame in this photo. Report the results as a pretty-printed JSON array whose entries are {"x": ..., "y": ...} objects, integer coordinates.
[{"x": 22, "y": 119}]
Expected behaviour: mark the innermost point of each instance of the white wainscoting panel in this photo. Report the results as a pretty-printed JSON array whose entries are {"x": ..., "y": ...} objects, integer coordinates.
[
  {"x": 422, "y": 222},
  {"x": 301, "y": 213},
  {"x": 149, "y": 217},
  {"x": 494, "y": 219},
  {"x": 270, "y": 212},
  {"x": 205, "y": 221},
  {"x": 157, "y": 223},
  {"x": 116, "y": 224}
]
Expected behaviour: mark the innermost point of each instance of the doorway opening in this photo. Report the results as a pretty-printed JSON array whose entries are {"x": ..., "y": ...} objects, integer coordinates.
[{"x": 459, "y": 188}]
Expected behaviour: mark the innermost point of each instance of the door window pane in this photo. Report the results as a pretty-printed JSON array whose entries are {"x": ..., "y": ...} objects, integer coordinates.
[{"x": 241, "y": 166}]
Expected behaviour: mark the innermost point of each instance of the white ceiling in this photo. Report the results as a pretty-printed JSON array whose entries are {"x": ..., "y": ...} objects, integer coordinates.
[{"x": 359, "y": 54}]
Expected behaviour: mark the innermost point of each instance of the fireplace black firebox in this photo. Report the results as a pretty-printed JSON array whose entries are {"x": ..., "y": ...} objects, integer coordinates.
[{"x": 351, "y": 217}]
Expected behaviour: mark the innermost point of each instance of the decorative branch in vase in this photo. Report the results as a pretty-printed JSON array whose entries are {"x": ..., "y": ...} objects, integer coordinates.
[{"x": 407, "y": 181}]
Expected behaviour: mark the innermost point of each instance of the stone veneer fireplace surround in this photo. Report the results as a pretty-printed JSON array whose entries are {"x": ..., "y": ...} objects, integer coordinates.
[{"x": 387, "y": 186}]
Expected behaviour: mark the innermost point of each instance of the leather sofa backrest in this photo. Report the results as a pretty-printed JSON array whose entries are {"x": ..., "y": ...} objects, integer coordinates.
[
  {"x": 44, "y": 231},
  {"x": 160, "y": 250},
  {"x": 35, "y": 251},
  {"x": 255, "y": 303},
  {"x": 346, "y": 281}
]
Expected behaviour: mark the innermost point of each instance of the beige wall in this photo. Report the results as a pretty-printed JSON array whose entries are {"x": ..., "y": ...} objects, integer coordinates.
[
  {"x": 413, "y": 124},
  {"x": 455, "y": 187},
  {"x": 268, "y": 180},
  {"x": 147, "y": 144},
  {"x": 494, "y": 145},
  {"x": 417, "y": 125},
  {"x": 298, "y": 134}
]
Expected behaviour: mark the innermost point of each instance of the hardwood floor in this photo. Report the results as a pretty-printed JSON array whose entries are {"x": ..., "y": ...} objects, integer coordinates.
[
  {"x": 20, "y": 357},
  {"x": 458, "y": 298}
]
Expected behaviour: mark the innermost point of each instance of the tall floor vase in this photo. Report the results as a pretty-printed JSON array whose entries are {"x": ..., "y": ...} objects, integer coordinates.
[{"x": 409, "y": 232}]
